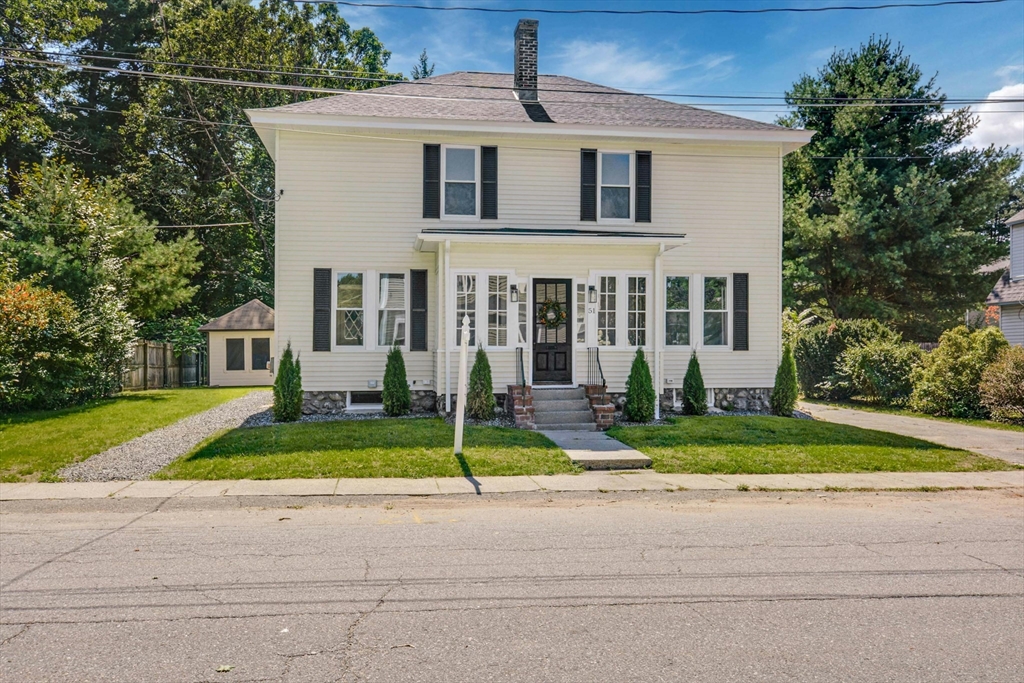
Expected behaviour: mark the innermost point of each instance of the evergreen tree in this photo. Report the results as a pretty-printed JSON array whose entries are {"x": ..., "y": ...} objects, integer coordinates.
[
  {"x": 784, "y": 394},
  {"x": 640, "y": 395},
  {"x": 423, "y": 68},
  {"x": 887, "y": 215},
  {"x": 480, "y": 396},
  {"x": 396, "y": 397},
  {"x": 288, "y": 388},
  {"x": 695, "y": 397}
]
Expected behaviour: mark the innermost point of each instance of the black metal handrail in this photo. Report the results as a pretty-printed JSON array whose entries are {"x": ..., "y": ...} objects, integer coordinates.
[
  {"x": 595, "y": 374},
  {"x": 520, "y": 368}
]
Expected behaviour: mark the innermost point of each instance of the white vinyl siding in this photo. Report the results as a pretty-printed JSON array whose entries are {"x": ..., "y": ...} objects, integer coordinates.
[
  {"x": 220, "y": 376},
  {"x": 1011, "y": 322},
  {"x": 1017, "y": 252}
]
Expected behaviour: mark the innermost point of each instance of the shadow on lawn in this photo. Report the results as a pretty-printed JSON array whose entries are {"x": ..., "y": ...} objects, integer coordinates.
[{"x": 41, "y": 416}]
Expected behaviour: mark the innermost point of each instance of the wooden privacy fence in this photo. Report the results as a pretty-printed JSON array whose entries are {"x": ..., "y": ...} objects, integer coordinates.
[{"x": 154, "y": 366}]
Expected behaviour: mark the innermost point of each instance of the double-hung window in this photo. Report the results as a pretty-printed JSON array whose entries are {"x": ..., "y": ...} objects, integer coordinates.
[
  {"x": 636, "y": 310},
  {"x": 677, "y": 311},
  {"x": 465, "y": 305},
  {"x": 461, "y": 181},
  {"x": 606, "y": 308},
  {"x": 349, "y": 309},
  {"x": 391, "y": 314},
  {"x": 615, "y": 175},
  {"x": 497, "y": 310},
  {"x": 716, "y": 311}
]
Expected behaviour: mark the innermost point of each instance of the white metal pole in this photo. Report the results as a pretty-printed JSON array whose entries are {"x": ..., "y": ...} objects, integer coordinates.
[{"x": 460, "y": 406}]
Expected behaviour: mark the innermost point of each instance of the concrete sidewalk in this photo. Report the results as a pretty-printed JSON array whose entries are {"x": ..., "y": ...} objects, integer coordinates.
[
  {"x": 995, "y": 443},
  {"x": 590, "y": 481}
]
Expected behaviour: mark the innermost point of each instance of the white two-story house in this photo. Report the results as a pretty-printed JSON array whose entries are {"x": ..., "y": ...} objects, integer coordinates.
[{"x": 571, "y": 222}]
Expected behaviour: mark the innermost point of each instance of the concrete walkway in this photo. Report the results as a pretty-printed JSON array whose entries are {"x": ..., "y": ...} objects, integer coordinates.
[
  {"x": 995, "y": 443},
  {"x": 597, "y": 450},
  {"x": 589, "y": 481}
]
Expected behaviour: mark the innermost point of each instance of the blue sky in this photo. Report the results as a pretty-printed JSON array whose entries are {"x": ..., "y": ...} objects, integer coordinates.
[{"x": 975, "y": 50}]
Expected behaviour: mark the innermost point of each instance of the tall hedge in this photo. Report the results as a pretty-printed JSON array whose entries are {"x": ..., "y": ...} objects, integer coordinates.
[
  {"x": 695, "y": 397},
  {"x": 818, "y": 349},
  {"x": 948, "y": 382},
  {"x": 1002, "y": 385},
  {"x": 881, "y": 370},
  {"x": 480, "y": 396},
  {"x": 640, "y": 395},
  {"x": 784, "y": 394},
  {"x": 288, "y": 388},
  {"x": 395, "y": 396}
]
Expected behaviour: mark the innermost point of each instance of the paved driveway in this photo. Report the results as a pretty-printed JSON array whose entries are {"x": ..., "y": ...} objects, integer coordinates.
[{"x": 995, "y": 443}]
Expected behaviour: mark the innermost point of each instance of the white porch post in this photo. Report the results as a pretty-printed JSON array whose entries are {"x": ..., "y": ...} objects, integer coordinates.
[
  {"x": 656, "y": 330},
  {"x": 447, "y": 341}
]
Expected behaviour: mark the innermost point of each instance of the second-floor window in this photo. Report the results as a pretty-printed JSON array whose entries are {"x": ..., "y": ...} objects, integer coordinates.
[
  {"x": 615, "y": 177},
  {"x": 460, "y": 176}
]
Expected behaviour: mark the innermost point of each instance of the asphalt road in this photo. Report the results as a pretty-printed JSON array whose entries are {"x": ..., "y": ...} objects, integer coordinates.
[{"x": 603, "y": 587}]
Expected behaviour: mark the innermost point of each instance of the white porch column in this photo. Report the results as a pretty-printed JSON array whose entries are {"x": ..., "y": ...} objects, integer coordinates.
[{"x": 656, "y": 330}]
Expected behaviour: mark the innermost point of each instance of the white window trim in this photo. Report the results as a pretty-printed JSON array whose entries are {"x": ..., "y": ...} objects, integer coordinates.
[
  {"x": 621, "y": 309},
  {"x": 576, "y": 282},
  {"x": 444, "y": 176},
  {"x": 632, "y": 187},
  {"x": 728, "y": 311},
  {"x": 511, "y": 310},
  {"x": 368, "y": 275},
  {"x": 376, "y": 311},
  {"x": 665, "y": 310}
]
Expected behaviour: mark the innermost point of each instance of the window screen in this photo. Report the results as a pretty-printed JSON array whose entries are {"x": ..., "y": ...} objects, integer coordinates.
[
  {"x": 260, "y": 353},
  {"x": 236, "y": 354}
]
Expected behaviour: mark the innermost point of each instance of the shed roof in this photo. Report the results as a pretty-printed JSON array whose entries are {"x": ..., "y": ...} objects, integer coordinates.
[{"x": 254, "y": 315}]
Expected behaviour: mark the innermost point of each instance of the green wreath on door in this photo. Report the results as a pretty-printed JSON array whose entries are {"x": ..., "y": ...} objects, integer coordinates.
[{"x": 552, "y": 314}]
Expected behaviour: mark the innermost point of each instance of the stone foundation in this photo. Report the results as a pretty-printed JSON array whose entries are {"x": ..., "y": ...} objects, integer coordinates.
[
  {"x": 519, "y": 401},
  {"x": 335, "y": 402},
  {"x": 750, "y": 400}
]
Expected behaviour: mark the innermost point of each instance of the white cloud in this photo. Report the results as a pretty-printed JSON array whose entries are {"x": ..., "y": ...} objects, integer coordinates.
[
  {"x": 1010, "y": 72},
  {"x": 1002, "y": 123},
  {"x": 633, "y": 68}
]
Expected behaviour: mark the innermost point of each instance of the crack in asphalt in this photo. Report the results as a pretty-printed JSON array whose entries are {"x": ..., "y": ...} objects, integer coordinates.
[{"x": 24, "y": 629}]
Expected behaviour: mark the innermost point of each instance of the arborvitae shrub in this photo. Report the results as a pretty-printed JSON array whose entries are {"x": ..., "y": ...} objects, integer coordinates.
[
  {"x": 288, "y": 388},
  {"x": 395, "y": 396},
  {"x": 640, "y": 396},
  {"x": 695, "y": 398},
  {"x": 480, "y": 397},
  {"x": 785, "y": 392}
]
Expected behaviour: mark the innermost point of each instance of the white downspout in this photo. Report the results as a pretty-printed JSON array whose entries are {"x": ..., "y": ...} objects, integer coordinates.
[
  {"x": 447, "y": 341},
  {"x": 656, "y": 330}
]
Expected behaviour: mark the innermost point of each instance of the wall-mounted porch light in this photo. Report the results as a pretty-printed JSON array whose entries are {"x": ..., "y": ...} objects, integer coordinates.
[
  {"x": 514, "y": 294},
  {"x": 592, "y": 294}
]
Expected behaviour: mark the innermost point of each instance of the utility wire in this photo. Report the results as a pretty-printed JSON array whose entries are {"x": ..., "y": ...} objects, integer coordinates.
[
  {"x": 674, "y": 12},
  {"x": 372, "y": 93},
  {"x": 611, "y": 91}
]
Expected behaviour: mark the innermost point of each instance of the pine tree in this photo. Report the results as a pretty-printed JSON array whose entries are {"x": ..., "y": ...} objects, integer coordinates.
[
  {"x": 695, "y": 398},
  {"x": 480, "y": 397},
  {"x": 396, "y": 397},
  {"x": 784, "y": 394},
  {"x": 423, "y": 68},
  {"x": 288, "y": 388},
  {"x": 640, "y": 395}
]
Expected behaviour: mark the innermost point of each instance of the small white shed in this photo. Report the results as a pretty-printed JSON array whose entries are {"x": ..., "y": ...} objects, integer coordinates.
[{"x": 241, "y": 343}]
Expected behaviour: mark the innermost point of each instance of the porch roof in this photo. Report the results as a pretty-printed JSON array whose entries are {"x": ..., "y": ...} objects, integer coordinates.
[{"x": 429, "y": 238}]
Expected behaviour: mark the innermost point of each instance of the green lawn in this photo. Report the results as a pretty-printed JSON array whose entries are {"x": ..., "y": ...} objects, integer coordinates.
[
  {"x": 892, "y": 410},
  {"x": 35, "y": 445},
  {"x": 772, "y": 445},
  {"x": 368, "y": 448}
]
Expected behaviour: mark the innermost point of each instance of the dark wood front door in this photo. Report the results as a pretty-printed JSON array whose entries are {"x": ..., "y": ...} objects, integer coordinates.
[{"x": 552, "y": 346}]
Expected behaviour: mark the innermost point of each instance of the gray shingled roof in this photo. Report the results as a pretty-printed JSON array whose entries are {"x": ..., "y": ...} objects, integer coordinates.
[
  {"x": 1016, "y": 218},
  {"x": 254, "y": 315},
  {"x": 1006, "y": 292},
  {"x": 567, "y": 101}
]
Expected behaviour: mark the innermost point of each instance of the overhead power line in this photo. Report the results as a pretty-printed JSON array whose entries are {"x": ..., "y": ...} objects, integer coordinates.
[
  {"x": 428, "y": 83},
  {"x": 673, "y": 12},
  {"x": 371, "y": 93}
]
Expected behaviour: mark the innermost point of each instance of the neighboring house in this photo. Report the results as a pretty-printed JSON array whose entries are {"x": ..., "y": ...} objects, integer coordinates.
[
  {"x": 1008, "y": 294},
  {"x": 241, "y": 345},
  {"x": 509, "y": 197}
]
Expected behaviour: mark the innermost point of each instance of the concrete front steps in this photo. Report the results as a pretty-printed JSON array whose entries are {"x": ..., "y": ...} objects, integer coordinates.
[{"x": 562, "y": 410}]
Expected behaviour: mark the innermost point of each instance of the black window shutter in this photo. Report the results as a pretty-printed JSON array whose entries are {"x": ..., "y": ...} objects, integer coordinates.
[
  {"x": 321, "y": 309},
  {"x": 431, "y": 181},
  {"x": 643, "y": 187},
  {"x": 418, "y": 299},
  {"x": 740, "y": 298},
  {"x": 588, "y": 184},
  {"x": 489, "y": 182}
]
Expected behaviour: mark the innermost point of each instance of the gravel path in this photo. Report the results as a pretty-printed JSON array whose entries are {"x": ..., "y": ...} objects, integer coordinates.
[{"x": 146, "y": 454}]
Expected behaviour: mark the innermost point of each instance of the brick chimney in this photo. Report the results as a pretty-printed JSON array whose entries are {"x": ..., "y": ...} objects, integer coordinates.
[{"x": 525, "y": 75}]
